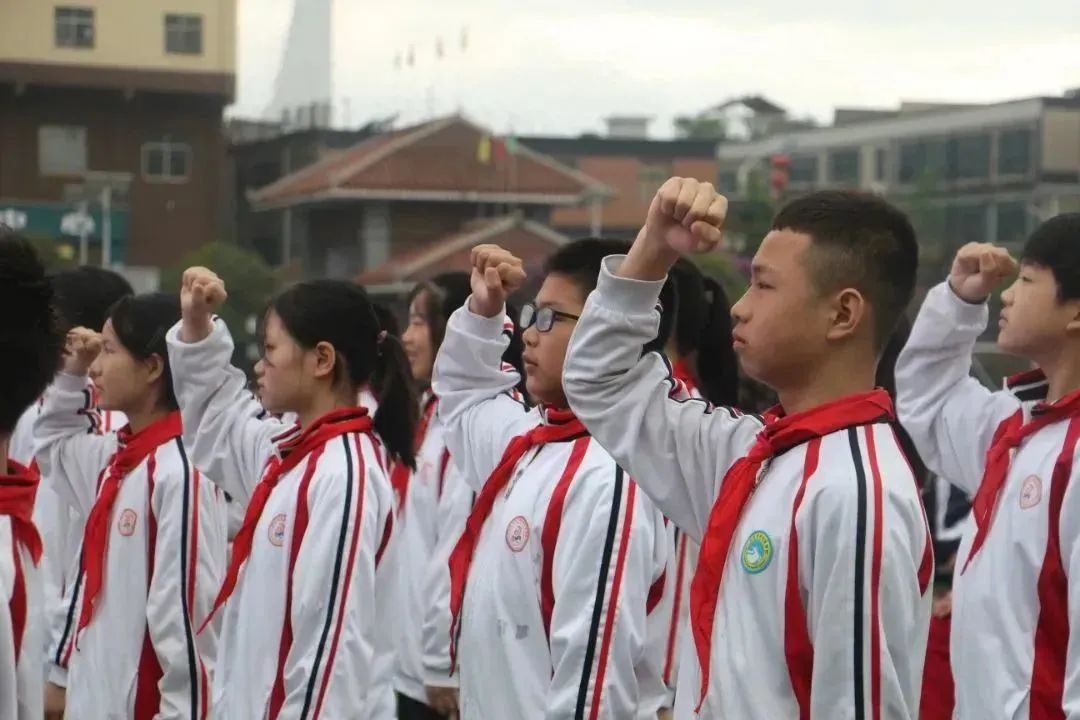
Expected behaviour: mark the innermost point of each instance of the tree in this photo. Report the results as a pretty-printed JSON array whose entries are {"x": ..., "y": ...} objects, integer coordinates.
[
  {"x": 250, "y": 283},
  {"x": 698, "y": 127}
]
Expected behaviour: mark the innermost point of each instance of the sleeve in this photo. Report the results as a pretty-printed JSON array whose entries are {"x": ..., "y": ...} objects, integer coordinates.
[
  {"x": 677, "y": 449},
  {"x": 454, "y": 507},
  {"x": 1069, "y": 537},
  {"x": 949, "y": 415},
  {"x": 21, "y": 688},
  {"x": 188, "y": 570},
  {"x": 654, "y": 691},
  {"x": 229, "y": 433},
  {"x": 61, "y": 628},
  {"x": 602, "y": 571},
  {"x": 21, "y": 443},
  {"x": 860, "y": 546},
  {"x": 69, "y": 450},
  {"x": 476, "y": 393},
  {"x": 331, "y": 663}
]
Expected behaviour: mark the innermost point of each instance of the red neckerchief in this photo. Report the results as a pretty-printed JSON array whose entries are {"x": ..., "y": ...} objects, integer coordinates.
[
  {"x": 291, "y": 453},
  {"x": 17, "y": 490},
  {"x": 1007, "y": 438},
  {"x": 401, "y": 474},
  {"x": 780, "y": 434},
  {"x": 680, "y": 370},
  {"x": 133, "y": 449},
  {"x": 560, "y": 426}
]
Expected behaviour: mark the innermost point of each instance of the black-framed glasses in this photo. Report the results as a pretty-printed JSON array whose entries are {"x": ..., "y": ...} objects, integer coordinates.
[{"x": 543, "y": 317}]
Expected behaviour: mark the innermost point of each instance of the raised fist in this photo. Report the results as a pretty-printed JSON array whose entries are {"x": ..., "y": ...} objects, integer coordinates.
[
  {"x": 496, "y": 273},
  {"x": 81, "y": 348},
  {"x": 978, "y": 269}
]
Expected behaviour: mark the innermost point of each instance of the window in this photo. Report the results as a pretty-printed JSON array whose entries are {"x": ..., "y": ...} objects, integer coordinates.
[
  {"x": 844, "y": 167},
  {"x": 1012, "y": 223},
  {"x": 727, "y": 181},
  {"x": 923, "y": 159},
  {"x": 166, "y": 161},
  {"x": 651, "y": 177},
  {"x": 1014, "y": 152},
  {"x": 968, "y": 157},
  {"x": 74, "y": 27},
  {"x": 881, "y": 157},
  {"x": 61, "y": 150},
  {"x": 183, "y": 34},
  {"x": 966, "y": 223},
  {"x": 803, "y": 170}
]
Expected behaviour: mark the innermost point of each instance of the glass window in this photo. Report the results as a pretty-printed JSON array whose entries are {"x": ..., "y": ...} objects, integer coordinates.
[
  {"x": 183, "y": 34},
  {"x": 727, "y": 181},
  {"x": 969, "y": 157},
  {"x": 803, "y": 170},
  {"x": 925, "y": 158},
  {"x": 881, "y": 157},
  {"x": 74, "y": 27},
  {"x": 966, "y": 223},
  {"x": 61, "y": 150},
  {"x": 166, "y": 161},
  {"x": 1014, "y": 152},
  {"x": 651, "y": 177},
  {"x": 1012, "y": 223},
  {"x": 844, "y": 167}
]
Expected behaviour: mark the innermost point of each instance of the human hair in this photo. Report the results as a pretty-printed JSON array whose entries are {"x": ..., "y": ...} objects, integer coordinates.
[
  {"x": 141, "y": 323},
  {"x": 387, "y": 320},
  {"x": 30, "y": 337},
  {"x": 341, "y": 314},
  {"x": 580, "y": 261},
  {"x": 702, "y": 330},
  {"x": 885, "y": 378},
  {"x": 860, "y": 241},
  {"x": 446, "y": 293},
  {"x": 1055, "y": 245},
  {"x": 84, "y": 295}
]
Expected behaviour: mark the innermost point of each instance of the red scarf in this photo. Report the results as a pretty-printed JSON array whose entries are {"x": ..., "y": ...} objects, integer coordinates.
[
  {"x": 561, "y": 426},
  {"x": 739, "y": 483},
  {"x": 17, "y": 490},
  {"x": 402, "y": 473},
  {"x": 134, "y": 448},
  {"x": 1007, "y": 438},
  {"x": 329, "y": 426},
  {"x": 680, "y": 370}
]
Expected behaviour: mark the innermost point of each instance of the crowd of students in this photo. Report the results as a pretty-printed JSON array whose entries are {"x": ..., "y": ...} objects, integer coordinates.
[{"x": 552, "y": 506}]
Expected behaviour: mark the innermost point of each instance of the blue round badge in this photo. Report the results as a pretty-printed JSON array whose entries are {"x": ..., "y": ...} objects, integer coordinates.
[{"x": 757, "y": 552}]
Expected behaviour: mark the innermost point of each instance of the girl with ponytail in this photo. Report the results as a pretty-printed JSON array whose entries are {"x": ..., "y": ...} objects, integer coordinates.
[
  {"x": 303, "y": 640},
  {"x": 433, "y": 504}
]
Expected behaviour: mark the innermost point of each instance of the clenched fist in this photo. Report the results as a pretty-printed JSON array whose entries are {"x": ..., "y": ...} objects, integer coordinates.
[
  {"x": 496, "y": 273},
  {"x": 81, "y": 348},
  {"x": 201, "y": 292},
  {"x": 978, "y": 269}
]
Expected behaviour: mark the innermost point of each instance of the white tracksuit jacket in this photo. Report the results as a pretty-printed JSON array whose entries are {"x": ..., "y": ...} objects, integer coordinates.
[
  {"x": 851, "y": 555},
  {"x": 1014, "y": 655},
  {"x": 602, "y": 657},
  {"x": 327, "y": 669},
  {"x": 21, "y": 676},
  {"x": 164, "y": 561}
]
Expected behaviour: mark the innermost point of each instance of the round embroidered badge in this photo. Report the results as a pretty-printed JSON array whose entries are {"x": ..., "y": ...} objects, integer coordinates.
[
  {"x": 517, "y": 533},
  {"x": 126, "y": 524},
  {"x": 757, "y": 552},
  {"x": 276, "y": 531},
  {"x": 1030, "y": 492}
]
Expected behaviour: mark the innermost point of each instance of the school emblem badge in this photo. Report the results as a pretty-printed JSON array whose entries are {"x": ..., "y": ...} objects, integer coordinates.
[
  {"x": 517, "y": 533},
  {"x": 126, "y": 524},
  {"x": 1030, "y": 492},
  {"x": 757, "y": 552},
  {"x": 276, "y": 531}
]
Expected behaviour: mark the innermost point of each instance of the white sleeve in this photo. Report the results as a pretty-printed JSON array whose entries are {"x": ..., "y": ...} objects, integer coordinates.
[
  {"x": 69, "y": 450},
  {"x": 61, "y": 623},
  {"x": 332, "y": 657},
  {"x": 602, "y": 572},
  {"x": 677, "y": 449},
  {"x": 1069, "y": 538},
  {"x": 188, "y": 570},
  {"x": 475, "y": 392},
  {"x": 21, "y": 443},
  {"x": 21, "y": 688},
  {"x": 454, "y": 508},
  {"x": 847, "y": 563},
  {"x": 228, "y": 432},
  {"x": 950, "y": 416}
]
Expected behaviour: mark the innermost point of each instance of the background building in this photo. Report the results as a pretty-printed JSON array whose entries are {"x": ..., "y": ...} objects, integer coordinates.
[{"x": 123, "y": 97}]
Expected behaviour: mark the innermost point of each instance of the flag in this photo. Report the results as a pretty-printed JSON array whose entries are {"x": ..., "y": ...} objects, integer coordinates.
[
  {"x": 464, "y": 39},
  {"x": 483, "y": 150},
  {"x": 499, "y": 147},
  {"x": 511, "y": 145},
  {"x": 438, "y": 48},
  {"x": 411, "y": 59}
]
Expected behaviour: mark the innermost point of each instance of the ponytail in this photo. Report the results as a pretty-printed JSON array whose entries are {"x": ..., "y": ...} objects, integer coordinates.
[
  {"x": 398, "y": 413},
  {"x": 717, "y": 366}
]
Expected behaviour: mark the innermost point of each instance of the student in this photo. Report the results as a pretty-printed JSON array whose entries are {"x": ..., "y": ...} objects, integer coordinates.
[
  {"x": 153, "y": 548},
  {"x": 434, "y": 503},
  {"x": 810, "y": 598},
  {"x": 1013, "y": 647},
  {"x": 30, "y": 345},
  {"x": 562, "y": 557},
  {"x": 303, "y": 566}
]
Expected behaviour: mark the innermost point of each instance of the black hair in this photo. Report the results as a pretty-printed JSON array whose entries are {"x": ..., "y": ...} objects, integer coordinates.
[
  {"x": 886, "y": 379},
  {"x": 859, "y": 241},
  {"x": 1055, "y": 245},
  {"x": 387, "y": 320},
  {"x": 340, "y": 313},
  {"x": 141, "y": 322},
  {"x": 580, "y": 262},
  {"x": 702, "y": 332},
  {"x": 85, "y": 294},
  {"x": 447, "y": 292},
  {"x": 30, "y": 337}
]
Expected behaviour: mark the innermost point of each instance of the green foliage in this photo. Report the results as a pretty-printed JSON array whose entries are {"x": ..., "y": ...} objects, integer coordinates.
[
  {"x": 700, "y": 128},
  {"x": 249, "y": 281}
]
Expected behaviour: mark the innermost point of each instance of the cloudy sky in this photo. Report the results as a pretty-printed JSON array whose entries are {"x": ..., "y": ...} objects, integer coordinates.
[{"x": 561, "y": 66}]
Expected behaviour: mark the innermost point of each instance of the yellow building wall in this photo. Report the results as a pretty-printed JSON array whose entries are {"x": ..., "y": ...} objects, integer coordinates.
[
  {"x": 1061, "y": 140},
  {"x": 127, "y": 34}
]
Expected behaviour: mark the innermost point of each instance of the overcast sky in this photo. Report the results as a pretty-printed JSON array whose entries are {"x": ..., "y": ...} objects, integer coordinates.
[{"x": 561, "y": 66}]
